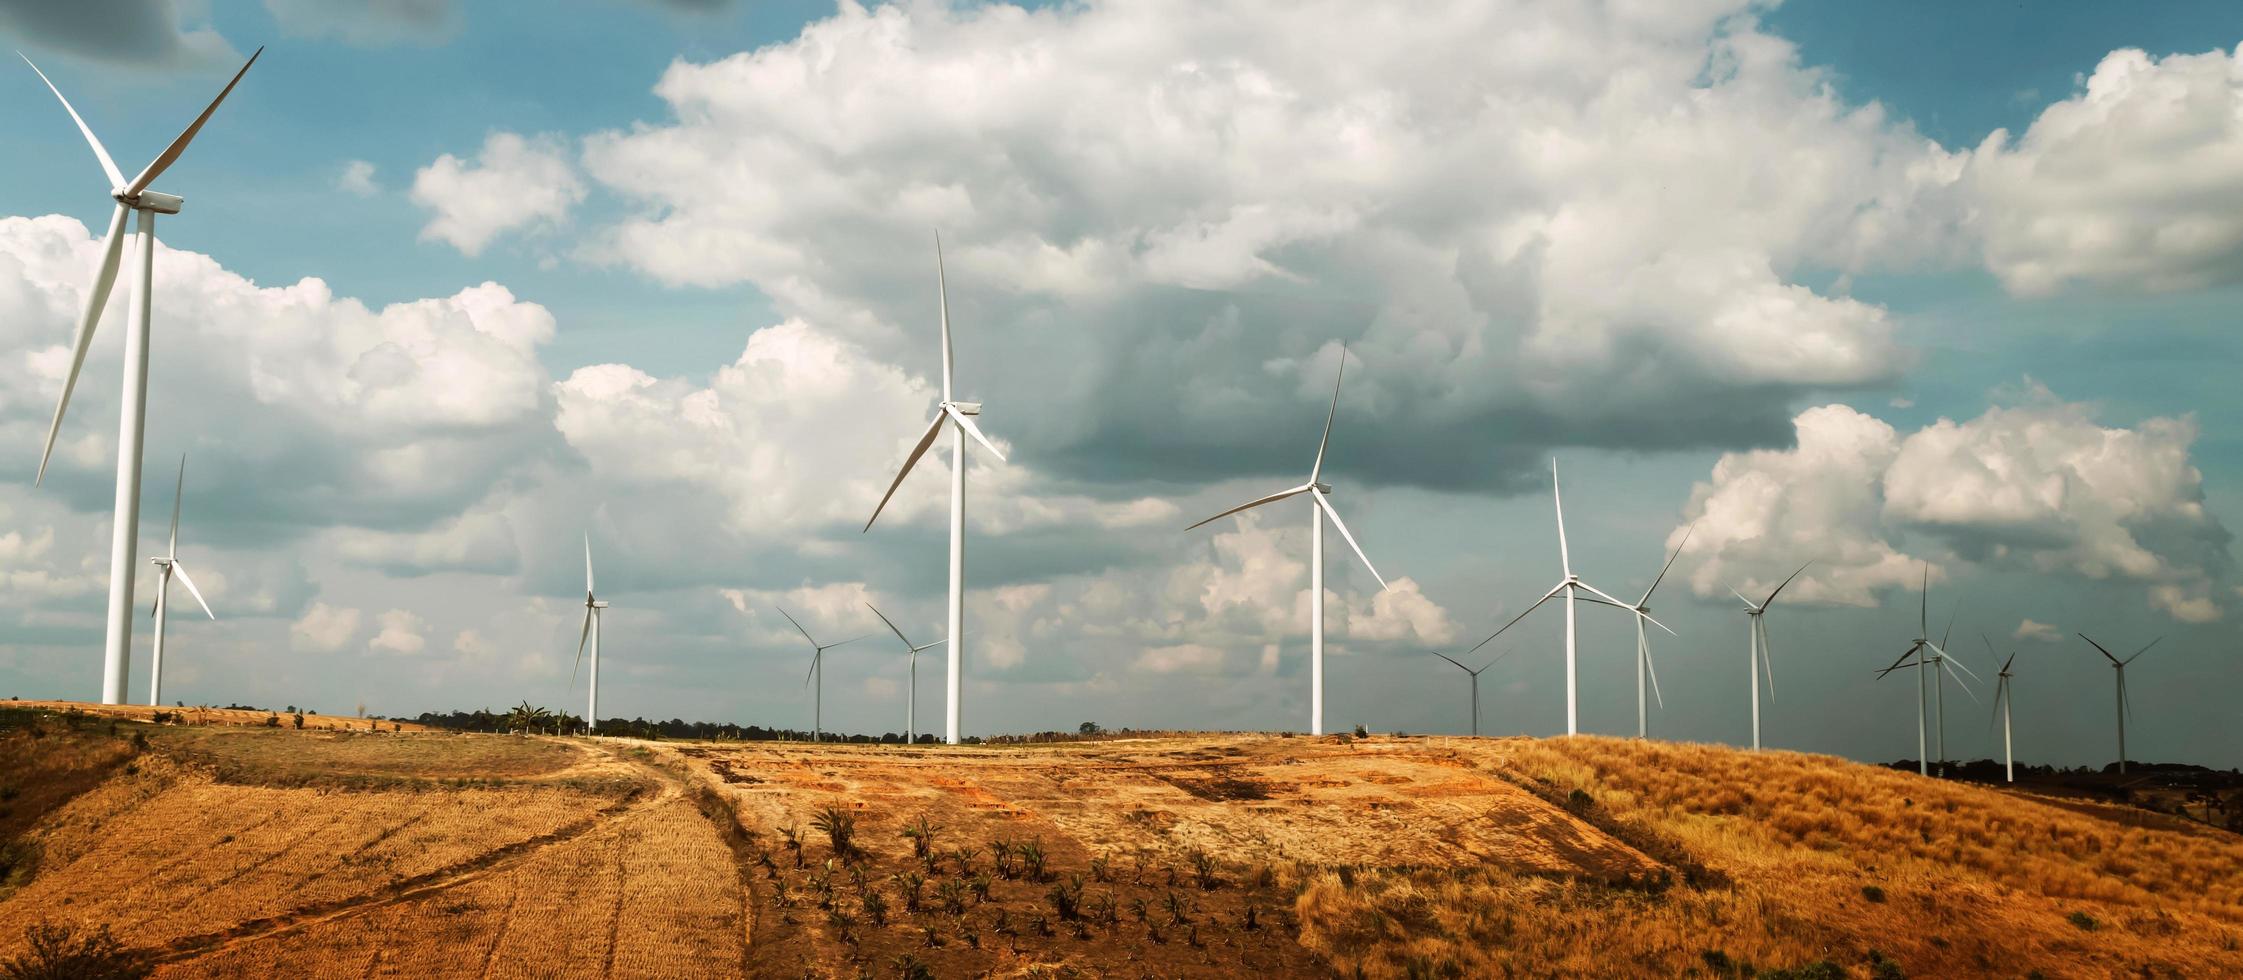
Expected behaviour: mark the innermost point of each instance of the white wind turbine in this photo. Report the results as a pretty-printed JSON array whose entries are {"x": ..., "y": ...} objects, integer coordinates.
[
  {"x": 1570, "y": 586},
  {"x": 166, "y": 567},
  {"x": 911, "y": 700},
  {"x": 2125, "y": 707},
  {"x": 2001, "y": 708},
  {"x": 132, "y": 196},
  {"x": 1475, "y": 675},
  {"x": 960, "y": 417},
  {"x": 1923, "y": 655},
  {"x": 816, "y": 678},
  {"x": 1757, "y": 656},
  {"x": 1320, "y": 508},
  {"x": 591, "y": 634},
  {"x": 1644, "y": 668}
]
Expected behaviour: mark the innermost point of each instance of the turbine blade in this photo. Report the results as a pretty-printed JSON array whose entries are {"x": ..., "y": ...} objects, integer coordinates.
[
  {"x": 942, "y": 302},
  {"x": 1923, "y": 606},
  {"x": 176, "y": 489},
  {"x": 934, "y": 428},
  {"x": 1779, "y": 589},
  {"x": 2005, "y": 664},
  {"x": 892, "y": 627},
  {"x": 1741, "y": 598},
  {"x": 813, "y": 671},
  {"x": 1897, "y": 664},
  {"x": 1767, "y": 665},
  {"x": 1251, "y": 504},
  {"x": 2145, "y": 648},
  {"x": 1318, "y": 469},
  {"x": 2099, "y": 648},
  {"x": 1607, "y": 598},
  {"x": 588, "y": 563},
  {"x": 1646, "y": 600},
  {"x": 1950, "y": 634},
  {"x": 1452, "y": 660},
  {"x": 1334, "y": 514},
  {"x": 1959, "y": 664},
  {"x": 1653, "y": 666},
  {"x": 929, "y": 646},
  {"x": 1546, "y": 596},
  {"x": 171, "y": 153},
  {"x": 1991, "y": 656},
  {"x": 1949, "y": 665},
  {"x": 104, "y": 277},
  {"x": 966, "y": 422},
  {"x": 846, "y": 642},
  {"x": 2001, "y": 694},
  {"x": 189, "y": 582},
  {"x": 798, "y": 628},
  {"x": 108, "y": 166},
  {"x": 1655, "y": 622},
  {"x": 1505, "y": 652},
  {"x": 1565, "y": 558}
]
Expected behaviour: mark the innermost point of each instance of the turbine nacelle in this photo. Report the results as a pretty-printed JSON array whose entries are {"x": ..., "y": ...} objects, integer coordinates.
[
  {"x": 965, "y": 408},
  {"x": 156, "y": 201},
  {"x": 1324, "y": 488}
]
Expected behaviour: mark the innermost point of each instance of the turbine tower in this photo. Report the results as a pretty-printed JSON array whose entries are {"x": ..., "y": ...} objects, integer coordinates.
[
  {"x": 1319, "y": 494},
  {"x": 132, "y": 197},
  {"x": 2001, "y": 708},
  {"x": 1941, "y": 662},
  {"x": 591, "y": 634},
  {"x": 1756, "y": 657},
  {"x": 166, "y": 567},
  {"x": 1570, "y": 586},
  {"x": 911, "y": 700},
  {"x": 816, "y": 678},
  {"x": 1475, "y": 675},
  {"x": 960, "y": 416},
  {"x": 2125, "y": 707}
]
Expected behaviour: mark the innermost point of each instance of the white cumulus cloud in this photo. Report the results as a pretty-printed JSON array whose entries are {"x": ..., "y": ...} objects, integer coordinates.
[{"x": 515, "y": 182}]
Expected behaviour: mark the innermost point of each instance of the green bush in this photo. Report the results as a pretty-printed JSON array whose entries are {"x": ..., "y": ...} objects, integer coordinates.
[
  {"x": 2084, "y": 921},
  {"x": 56, "y": 951}
]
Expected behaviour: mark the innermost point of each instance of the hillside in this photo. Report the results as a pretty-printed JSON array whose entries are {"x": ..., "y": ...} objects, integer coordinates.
[{"x": 228, "y": 851}]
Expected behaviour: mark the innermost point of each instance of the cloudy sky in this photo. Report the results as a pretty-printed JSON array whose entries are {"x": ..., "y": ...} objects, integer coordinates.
[{"x": 1884, "y": 287}]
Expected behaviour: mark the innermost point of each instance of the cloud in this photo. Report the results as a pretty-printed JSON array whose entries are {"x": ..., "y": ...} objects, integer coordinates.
[
  {"x": 1495, "y": 230},
  {"x": 357, "y": 178},
  {"x": 2037, "y": 485},
  {"x": 514, "y": 183},
  {"x": 324, "y": 628},
  {"x": 133, "y": 33},
  {"x": 2131, "y": 183},
  {"x": 368, "y": 23},
  {"x": 2041, "y": 632},
  {"x": 308, "y": 410},
  {"x": 399, "y": 631}
]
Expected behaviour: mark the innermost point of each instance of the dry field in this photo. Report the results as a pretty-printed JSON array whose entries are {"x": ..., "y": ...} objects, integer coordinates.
[
  {"x": 249, "y": 852},
  {"x": 192, "y": 715}
]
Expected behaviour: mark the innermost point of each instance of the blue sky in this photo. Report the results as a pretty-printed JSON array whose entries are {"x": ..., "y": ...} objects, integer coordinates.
[{"x": 1645, "y": 245}]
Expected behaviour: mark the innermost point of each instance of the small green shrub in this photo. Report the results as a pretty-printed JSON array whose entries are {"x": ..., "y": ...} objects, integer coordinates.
[
  {"x": 2084, "y": 921},
  {"x": 1873, "y": 894}
]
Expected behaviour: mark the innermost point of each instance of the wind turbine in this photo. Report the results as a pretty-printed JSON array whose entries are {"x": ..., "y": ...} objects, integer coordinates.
[
  {"x": 960, "y": 416},
  {"x": 2124, "y": 706},
  {"x": 2001, "y": 708},
  {"x": 1475, "y": 675},
  {"x": 1642, "y": 609},
  {"x": 1757, "y": 656},
  {"x": 1318, "y": 492},
  {"x": 132, "y": 197},
  {"x": 166, "y": 567},
  {"x": 591, "y": 634},
  {"x": 1570, "y": 586},
  {"x": 1940, "y": 661},
  {"x": 911, "y": 702},
  {"x": 818, "y": 674},
  {"x": 1913, "y": 657}
]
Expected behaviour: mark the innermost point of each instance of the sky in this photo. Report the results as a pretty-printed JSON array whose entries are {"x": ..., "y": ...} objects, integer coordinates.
[{"x": 1893, "y": 291}]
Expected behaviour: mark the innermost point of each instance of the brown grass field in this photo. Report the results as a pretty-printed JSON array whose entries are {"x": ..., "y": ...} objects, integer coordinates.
[{"x": 246, "y": 851}]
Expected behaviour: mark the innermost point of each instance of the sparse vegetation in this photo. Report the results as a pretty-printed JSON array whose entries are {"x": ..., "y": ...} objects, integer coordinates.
[{"x": 57, "y": 951}]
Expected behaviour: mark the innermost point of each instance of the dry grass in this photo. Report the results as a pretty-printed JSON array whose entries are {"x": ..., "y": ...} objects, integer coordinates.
[
  {"x": 222, "y": 717},
  {"x": 247, "y": 852}
]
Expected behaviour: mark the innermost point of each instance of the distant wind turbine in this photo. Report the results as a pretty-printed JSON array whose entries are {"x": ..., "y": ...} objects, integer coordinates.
[
  {"x": 1642, "y": 610},
  {"x": 591, "y": 634},
  {"x": 1321, "y": 507},
  {"x": 1570, "y": 586},
  {"x": 2002, "y": 707},
  {"x": 816, "y": 678},
  {"x": 1929, "y": 658},
  {"x": 911, "y": 700},
  {"x": 168, "y": 566},
  {"x": 132, "y": 197},
  {"x": 2125, "y": 707},
  {"x": 1475, "y": 675},
  {"x": 1757, "y": 656},
  {"x": 960, "y": 417}
]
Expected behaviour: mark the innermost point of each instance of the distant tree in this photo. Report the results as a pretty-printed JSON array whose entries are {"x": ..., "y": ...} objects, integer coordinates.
[
  {"x": 1090, "y": 728},
  {"x": 528, "y": 717}
]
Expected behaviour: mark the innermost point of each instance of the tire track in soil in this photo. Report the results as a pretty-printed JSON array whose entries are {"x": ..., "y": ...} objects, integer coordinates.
[{"x": 500, "y": 859}]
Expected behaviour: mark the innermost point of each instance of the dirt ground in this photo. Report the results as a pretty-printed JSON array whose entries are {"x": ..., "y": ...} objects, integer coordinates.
[{"x": 224, "y": 851}]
